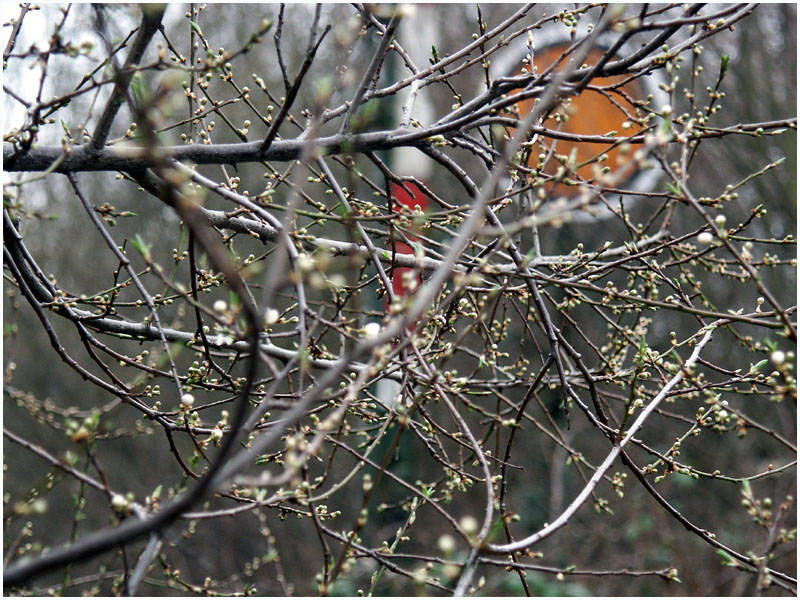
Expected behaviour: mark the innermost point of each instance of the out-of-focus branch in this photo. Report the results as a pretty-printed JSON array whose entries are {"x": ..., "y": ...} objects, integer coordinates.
[{"x": 151, "y": 20}]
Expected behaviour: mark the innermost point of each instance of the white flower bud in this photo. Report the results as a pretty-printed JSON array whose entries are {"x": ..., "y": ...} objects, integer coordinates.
[
  {"x": 778, "y": 357},
  {"x": 469, "y": 524},
  {"x": 220, "y": 306},
  {"x": 119, "y": 503},
  {"x": 271, "y": 316},
  {"x": 187, "y": 401},
  {"x": 705, "y": 238},
  {"x": 371, "y": 330},
  {"x": 305, "y": 263},
  {"x": 216, "y": 435},
  {"x": 447, "y": 544}
]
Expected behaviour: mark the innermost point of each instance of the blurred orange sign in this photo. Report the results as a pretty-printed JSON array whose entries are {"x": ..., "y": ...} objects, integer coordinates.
[{"x": 593, "y": 112}]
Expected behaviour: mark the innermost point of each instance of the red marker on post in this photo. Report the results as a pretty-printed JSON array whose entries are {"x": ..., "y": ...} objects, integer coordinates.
[
  {"x": 420, "y": 31},
  {"x": 405, "y": 280}
]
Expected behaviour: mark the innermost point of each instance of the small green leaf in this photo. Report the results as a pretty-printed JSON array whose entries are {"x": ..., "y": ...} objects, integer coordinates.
[
  {"x": 341, "y": 210},
  {"x": 746, "y": 489},
  {"x": 141, "y": 247},
  {"x": 138, "y": 87},
  {"x": 727, "y": 559},
  {"x": 93, "y": 420}
]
